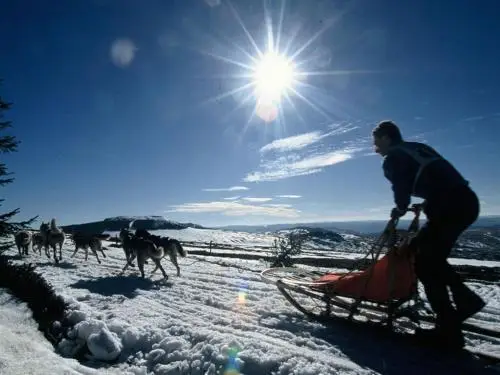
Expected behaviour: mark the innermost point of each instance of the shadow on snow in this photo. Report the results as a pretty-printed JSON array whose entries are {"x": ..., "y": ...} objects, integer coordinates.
[
  {"x": 128, "y": 286},
  {"x": 379, "y": 350}
]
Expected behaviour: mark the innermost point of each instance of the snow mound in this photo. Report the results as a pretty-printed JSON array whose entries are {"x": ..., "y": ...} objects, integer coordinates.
[{"x": 102, "y": 344}]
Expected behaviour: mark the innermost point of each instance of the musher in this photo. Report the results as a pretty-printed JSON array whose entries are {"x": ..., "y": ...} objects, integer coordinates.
[{"x": 451, "y": 206}]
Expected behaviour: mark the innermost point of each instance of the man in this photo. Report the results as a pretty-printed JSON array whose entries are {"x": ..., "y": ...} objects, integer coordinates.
[{"x": 415, "y": 169}]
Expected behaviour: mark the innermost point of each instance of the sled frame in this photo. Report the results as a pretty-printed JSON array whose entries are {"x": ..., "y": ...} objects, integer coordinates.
[{"x": 393, "y": 309}]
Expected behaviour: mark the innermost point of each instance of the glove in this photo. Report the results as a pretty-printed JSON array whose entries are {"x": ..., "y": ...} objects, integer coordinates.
[{"x": 396, "y": 213}]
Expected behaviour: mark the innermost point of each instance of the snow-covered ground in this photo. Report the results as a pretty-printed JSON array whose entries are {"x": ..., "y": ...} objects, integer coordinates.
[
  {"x": 24, "y": 350},
  {"x": 218, "y": 317}
]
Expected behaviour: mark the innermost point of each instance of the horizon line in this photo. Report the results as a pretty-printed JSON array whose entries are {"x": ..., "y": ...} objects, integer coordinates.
[{"x": 263, "y": 224}]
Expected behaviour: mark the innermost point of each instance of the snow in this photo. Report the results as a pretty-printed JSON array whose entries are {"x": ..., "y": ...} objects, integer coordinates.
[
  {"x": 474, "y": 262},
  {"x": 218, "y": 317},
  {"x": 24, "y": 350}
]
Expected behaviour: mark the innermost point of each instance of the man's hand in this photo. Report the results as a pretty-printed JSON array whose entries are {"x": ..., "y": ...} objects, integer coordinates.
[{"x": 396, "y": 213}]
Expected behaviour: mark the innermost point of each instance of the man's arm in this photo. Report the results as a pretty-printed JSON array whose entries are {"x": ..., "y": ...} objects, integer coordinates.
[{"x": 397, "y": 169}]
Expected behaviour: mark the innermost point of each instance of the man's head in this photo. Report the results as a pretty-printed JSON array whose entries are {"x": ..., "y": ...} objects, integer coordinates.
[{"x": 385, "y": 135}]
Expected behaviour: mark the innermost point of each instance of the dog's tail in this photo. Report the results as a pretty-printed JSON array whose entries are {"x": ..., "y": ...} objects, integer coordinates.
[
  {"x": 179, "y": 247},
  {"x": 131, "y": 224},
  {"x": 155, "y": 252}
]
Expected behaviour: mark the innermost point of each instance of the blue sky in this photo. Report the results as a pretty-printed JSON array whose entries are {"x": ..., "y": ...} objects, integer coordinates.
[{"x": 126, "y": 108}]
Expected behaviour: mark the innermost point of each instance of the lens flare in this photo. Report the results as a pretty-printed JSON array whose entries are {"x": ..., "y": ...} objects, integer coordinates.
[
  {"x": 232, "y": 366},
  {"x": 242, "y": 293}
]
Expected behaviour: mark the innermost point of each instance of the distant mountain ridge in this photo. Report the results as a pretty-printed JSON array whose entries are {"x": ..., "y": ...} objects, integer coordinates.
[
  {"x": 116, "y": 223},
  {"x": 154, "y": 222},
  {"x": 354, "y": 227}
]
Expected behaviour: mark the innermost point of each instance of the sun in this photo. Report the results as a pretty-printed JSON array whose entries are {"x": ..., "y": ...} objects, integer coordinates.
[
  {"x": 279, "y": 78},
  {"x": 273, "y": 77}
]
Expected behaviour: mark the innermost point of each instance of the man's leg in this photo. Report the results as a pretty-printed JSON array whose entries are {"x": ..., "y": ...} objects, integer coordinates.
[
  {"x": 432, "y": 270},
  {"x": 460, "y": 217}
]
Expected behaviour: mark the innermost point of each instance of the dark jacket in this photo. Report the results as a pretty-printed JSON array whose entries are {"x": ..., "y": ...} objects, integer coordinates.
[{"x": 416, "y": 169}]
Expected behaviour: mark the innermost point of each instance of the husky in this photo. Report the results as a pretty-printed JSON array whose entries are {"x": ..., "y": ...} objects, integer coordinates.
[
  {"x": 38, "y": 242},
  {"x": 85, "y": 241},
  {"x": 125, "y": 236},
  {"x": 143, "y": 249},
  {"x": 23, "y": 240},
  {"x": 52, "y": 236},
  {"x": 171, "y": 246}
]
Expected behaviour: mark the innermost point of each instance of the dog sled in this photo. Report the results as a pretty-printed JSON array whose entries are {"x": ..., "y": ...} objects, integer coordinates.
[{"x": 380, "y": 289}]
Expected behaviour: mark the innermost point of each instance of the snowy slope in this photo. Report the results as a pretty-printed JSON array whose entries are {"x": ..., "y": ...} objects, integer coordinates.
[
  {"x": 220, "y": 318},
  {"x": 260, "y": 243}
]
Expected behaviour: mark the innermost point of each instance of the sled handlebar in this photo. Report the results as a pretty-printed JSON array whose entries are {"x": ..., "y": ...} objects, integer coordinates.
[{"x": 415, "y": 208}]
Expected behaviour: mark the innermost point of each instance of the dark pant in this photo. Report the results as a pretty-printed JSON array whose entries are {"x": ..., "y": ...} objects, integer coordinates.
[{"x": 448, "y": 216}]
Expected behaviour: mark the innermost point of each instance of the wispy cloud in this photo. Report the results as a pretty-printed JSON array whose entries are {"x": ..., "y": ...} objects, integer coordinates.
[
  {"x": 277, "y": 205},
  {"x": 232, "y": 188},
  {"x": 481, "y": 117},
  {"x": 338, "y": 129},
  {"x": 256, "y": 199},
  {"x": 291, "y": 196},
  {"x": 474, "y": 118},
  {"x": 281, "y": 168},
  {"x": 298, "y": 158},
  {"x": 236, "y": 197},
  {"x": 298, "y": 142},
  {"x": 236, "y": 209}
]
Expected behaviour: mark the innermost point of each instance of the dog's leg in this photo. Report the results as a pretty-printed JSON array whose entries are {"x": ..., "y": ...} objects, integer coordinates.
[
  {"x": 158, "y": 265},
  {"x": 132, "y": 257},
  {"x": 86, "y": 253},
  {"x": 74, "y": 253},
  {"x": 173, "y": 259},
  {"x": 46, "y": 245},
  {"x": 140, "y": 263},
  {"x": 54, "y": 251},
  {"x": 97, "y": 256},
  {"x": 99, "y": 247},
  {"x": 128, "y": 255}
]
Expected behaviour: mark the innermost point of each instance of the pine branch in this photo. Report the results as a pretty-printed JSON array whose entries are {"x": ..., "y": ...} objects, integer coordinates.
[
  {"x": 5, "y": 124},
  {"x": 6, "y": 181},
  {"x": 8, "y": 143}
]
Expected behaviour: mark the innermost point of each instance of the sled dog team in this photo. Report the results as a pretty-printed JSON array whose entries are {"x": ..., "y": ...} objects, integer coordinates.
[{"x": 141, "y": 245}]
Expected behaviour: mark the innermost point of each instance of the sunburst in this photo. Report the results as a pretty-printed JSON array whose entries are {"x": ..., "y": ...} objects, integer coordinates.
[
  {"x": 273, "y": 78},
  {"x": 276, "y": 76}
]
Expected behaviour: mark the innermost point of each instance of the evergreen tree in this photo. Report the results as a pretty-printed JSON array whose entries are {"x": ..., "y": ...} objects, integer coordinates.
[{"x": 8, "y": 143}]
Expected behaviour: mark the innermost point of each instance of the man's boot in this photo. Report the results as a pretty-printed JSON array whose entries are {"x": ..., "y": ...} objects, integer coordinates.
[
  {"x": 446, "y": 335},
  {"x": 467, "y": 302}
]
